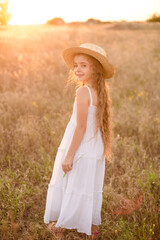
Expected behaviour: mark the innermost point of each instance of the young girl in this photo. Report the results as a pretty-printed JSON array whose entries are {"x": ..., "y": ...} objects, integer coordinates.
[{"x": 74, "y": 197}]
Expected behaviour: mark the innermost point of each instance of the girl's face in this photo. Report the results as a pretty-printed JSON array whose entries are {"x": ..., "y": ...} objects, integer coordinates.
[{"x": 82, "y": 68}]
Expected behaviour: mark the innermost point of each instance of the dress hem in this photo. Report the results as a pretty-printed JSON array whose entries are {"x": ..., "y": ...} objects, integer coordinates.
[{"x": 73, "y": 228}]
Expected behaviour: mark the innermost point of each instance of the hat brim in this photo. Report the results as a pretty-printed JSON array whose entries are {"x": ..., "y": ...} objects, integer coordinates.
[{"x": 69, "y": 53}]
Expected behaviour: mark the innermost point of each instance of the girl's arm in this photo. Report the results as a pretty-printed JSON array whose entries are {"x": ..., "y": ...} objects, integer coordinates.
[{"x": 82, "y": 113}]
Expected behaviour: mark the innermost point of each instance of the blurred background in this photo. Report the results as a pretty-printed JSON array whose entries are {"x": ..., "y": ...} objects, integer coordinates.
[{"x": 36, "y": 104}]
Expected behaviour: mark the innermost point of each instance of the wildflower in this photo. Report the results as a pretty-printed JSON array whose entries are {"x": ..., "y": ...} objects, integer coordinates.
[
  {"x": 140, "y": 94},
  {"x": 35, "y": 104},
  {"x": 131, "y": 97}
]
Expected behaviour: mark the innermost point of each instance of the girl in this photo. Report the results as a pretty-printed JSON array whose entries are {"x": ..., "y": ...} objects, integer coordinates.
[{"x": 74, "y": 197}]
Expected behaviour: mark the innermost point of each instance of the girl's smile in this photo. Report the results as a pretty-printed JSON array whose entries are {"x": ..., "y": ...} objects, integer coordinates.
[{"x": 82, "y": 68}]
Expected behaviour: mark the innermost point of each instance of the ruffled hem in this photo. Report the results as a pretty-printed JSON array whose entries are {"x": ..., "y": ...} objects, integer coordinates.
[
  {"x": 86, "y": 210},
  {"x": 75, "y": 228}
]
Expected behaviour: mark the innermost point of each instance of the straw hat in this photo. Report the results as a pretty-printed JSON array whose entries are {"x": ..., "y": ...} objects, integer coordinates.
[{"x": 92, "y": 50}]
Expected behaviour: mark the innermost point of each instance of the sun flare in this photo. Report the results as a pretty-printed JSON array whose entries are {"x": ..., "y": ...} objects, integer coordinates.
[{"x": 39, "y": 11}]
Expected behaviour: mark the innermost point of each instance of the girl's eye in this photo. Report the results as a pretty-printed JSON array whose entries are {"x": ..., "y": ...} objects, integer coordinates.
[{"x": 83, "y": 65}]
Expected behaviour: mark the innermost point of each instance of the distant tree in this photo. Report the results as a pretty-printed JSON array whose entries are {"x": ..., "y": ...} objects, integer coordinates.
[
  {"x": 56, "y": 21},
  {"x": 92, "y": 21},
  {"x": 5, "y": 16},
  {"x": 155, "y": 18}
]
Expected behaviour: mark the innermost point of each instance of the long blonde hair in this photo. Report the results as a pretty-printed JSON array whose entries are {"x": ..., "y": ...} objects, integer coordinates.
[{"x": 103, "y": 115}]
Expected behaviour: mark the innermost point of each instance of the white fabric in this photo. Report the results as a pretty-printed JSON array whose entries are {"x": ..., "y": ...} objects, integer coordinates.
[
  {"x": 75, "y": 200},
  {"x": 90, "y": 95}
]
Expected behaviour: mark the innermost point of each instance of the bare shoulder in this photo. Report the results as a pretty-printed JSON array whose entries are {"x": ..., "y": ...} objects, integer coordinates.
[
  {"x": 82, "y": 94},
  {"x": 81, "y": 90}
]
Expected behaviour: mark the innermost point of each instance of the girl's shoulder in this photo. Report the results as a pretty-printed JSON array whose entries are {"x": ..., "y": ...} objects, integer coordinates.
[
  {"x": 82, "y": 93},
  {"x": 81, "y": 87},
  {"x": 81, "y": 90}
]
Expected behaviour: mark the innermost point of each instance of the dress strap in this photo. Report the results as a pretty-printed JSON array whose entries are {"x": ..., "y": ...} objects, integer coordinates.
[{"x": 90, "y": 95}]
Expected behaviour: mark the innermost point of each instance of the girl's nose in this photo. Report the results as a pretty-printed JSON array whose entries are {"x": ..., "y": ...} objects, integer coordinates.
[{"x": 78, "y": 69}]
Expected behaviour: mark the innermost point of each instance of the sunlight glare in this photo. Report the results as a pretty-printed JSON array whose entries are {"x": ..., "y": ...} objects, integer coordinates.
[{"x": 39, "y": 11}]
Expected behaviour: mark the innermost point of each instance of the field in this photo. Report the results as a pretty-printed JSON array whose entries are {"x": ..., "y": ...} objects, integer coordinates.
[{"x": 36, "y": 105}]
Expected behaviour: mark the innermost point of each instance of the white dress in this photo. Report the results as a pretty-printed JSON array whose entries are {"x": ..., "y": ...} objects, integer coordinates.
[{"x": 75, "y": 200}]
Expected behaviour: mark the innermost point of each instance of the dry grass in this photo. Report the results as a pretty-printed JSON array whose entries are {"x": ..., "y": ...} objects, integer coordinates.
[{"x": 35, "y": 109}]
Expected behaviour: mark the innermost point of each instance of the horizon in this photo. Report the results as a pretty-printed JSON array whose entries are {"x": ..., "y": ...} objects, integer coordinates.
[
  {"x": 66, "y": 23},
  {"x": 40, "y": 11}
]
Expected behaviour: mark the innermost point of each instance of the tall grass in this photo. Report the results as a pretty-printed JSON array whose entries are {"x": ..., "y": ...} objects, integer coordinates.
[{"x": 35, "y": 108}]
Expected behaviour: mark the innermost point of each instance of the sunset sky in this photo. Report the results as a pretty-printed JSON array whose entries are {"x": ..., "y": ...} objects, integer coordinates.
[{"x": 39, "y": 11}]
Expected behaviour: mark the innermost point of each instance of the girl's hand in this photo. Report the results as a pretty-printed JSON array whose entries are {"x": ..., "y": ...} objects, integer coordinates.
[
  {"x": 109, "y": 159},
  {"x": 67, "y": 164}
]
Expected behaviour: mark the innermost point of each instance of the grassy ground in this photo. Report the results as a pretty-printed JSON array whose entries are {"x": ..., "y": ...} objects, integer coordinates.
[{"x": 35, "y": 108}]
